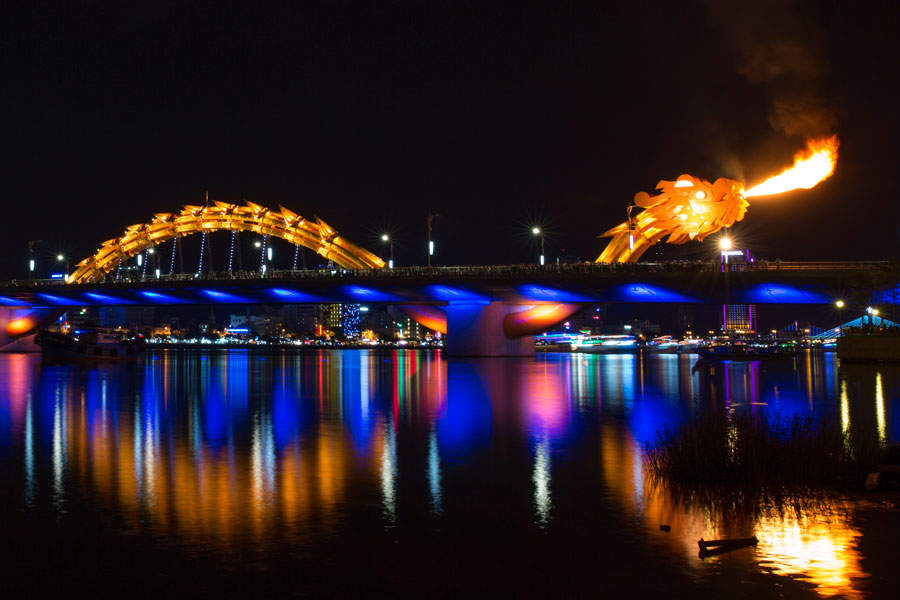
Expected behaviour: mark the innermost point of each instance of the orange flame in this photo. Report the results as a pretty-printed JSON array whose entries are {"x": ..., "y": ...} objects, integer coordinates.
[{"x": 811, "y": 166}]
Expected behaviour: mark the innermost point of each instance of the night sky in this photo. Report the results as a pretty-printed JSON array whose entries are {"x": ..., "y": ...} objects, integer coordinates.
[{"x": 496, "y": 116}]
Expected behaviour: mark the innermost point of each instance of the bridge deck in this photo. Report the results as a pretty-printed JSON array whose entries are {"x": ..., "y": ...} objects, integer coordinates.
[{"x": 680, "y": 282}]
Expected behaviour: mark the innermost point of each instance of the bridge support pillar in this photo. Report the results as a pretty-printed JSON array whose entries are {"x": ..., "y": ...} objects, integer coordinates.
[{"x": 476, "y": 329}]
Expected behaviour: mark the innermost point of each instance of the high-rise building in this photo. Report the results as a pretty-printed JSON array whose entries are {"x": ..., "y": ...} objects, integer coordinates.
[{"x": 739, "y": 318}]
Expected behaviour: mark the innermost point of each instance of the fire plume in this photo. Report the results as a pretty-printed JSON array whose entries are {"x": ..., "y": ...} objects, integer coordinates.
[{"x": 814, "y": 164}]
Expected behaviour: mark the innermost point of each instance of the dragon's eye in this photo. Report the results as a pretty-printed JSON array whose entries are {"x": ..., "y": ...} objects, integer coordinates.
[{"x": 700, "y": 195}]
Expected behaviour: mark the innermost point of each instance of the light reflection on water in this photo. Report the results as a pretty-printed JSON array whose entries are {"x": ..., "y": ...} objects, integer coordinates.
[{"x": 235, "y": 450}]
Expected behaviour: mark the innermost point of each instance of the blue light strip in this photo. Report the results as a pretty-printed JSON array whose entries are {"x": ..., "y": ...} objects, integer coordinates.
[{"x": 59, "y": 301}]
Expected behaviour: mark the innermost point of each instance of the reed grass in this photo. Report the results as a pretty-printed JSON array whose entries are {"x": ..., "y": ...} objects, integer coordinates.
[{"x": 761, "y": 449}]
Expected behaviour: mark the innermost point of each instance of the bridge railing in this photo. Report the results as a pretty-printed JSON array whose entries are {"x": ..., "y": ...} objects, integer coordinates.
[{"x": 586, "y": 268}]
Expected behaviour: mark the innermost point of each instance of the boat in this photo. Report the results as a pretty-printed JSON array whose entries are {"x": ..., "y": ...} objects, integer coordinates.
[
  {"x": 93, "y": 343},
  {"x": 662, "y": 345},
  {"x": 607, "y": 344},
  {"x": 748, "y": 351}
]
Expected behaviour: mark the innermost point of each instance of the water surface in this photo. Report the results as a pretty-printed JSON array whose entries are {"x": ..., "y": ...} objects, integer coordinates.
[{"x": 345, "y": 472}]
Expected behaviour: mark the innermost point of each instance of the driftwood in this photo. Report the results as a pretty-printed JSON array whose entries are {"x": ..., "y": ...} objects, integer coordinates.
[{"x": 714, "y": 547}]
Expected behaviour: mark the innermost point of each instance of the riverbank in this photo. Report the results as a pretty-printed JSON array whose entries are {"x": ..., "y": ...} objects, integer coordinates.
[{"x": 869, "y": 348}]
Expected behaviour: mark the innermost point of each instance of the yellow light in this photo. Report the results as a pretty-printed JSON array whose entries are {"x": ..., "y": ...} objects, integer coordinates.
[
  {"x": 875, "y": 311},
  {"x": 839, "y": 304},
  {"x": 725, "y": 244}
]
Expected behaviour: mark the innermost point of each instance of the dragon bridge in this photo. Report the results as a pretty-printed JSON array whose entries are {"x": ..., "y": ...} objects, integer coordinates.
[{"x": 316, "y": 235}]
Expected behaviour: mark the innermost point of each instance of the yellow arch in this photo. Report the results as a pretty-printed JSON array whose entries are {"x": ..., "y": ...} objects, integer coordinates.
[{"x": 318, "y": 236}]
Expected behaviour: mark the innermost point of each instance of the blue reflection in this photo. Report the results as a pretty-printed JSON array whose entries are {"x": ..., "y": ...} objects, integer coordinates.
[
  {"x": 157, "y": 298},
  {"x": 443, "y": 292},
  {"x": 778, "y": 293},
  {"x": 104, "y": 299},
  {"x": 13, "y": 302},
  {"x": 536, "y": 292},
  {"x": 466, "y": 422},
  {"x": 366, "y": 294},
  {"x": 59, "y": 300},
  {"x": 645, "y": 292},
  {"x": 291, "y": 295},
  {"x": 357, "y": 398},
  {"x": 225, "y": 298}
]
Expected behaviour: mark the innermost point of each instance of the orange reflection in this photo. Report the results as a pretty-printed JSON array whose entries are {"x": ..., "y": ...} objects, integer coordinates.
[{"x": 815, "y": 541}]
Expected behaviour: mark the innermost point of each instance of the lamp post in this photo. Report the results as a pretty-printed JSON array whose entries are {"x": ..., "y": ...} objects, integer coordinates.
[
  {"x": 61, "y": 258},
  {"x": 428, "y": 221},
  {"x": 725, "y": 246},
  {"x": 387, "y": 239},
  {"x": 31, "y": 258},
  {"x": 537, "y": 231},
  {"x": 840, "y": 306}
]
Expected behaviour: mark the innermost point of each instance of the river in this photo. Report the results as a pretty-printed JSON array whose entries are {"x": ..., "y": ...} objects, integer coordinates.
[{"x": 339, "y": 473}]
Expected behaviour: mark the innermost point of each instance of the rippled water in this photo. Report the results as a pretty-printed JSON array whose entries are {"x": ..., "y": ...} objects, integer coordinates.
[{"x": 348, "y": 472}]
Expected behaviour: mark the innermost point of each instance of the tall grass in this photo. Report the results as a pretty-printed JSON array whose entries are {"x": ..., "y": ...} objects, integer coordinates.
[{"x": 763, "y": 449}]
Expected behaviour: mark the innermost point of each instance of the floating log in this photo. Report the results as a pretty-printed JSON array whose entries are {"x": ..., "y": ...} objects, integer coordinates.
[{"x": 713, "y": 547}]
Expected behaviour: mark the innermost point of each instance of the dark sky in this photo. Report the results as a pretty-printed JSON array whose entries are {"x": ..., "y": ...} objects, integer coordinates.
[{"x": 497, "y": 116}]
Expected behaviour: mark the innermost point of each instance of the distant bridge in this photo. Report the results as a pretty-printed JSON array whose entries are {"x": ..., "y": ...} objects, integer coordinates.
[
  {"x": 488, "y": 310},
  {"x": 517, "y": 300}
]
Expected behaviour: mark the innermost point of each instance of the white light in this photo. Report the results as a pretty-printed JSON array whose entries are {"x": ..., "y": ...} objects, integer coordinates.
[
  {"x": 257, "y": 244},
  {"x": 542, "y": 260},
  {"x": 430, "y": 248},
  {"x": 151, "y": 251},
  {"x": 60, "y": 257},
  {"x": 269, "y": 252},
  {"x": 536, "y": 230},
  {"x": 385, "y": 237},
  {"x": 31, "y": 265},
  {"x": 700, "y": 194},
  {"x": 140, "y": 258},
  {"x": 725, "y": 243},
  {"x": 157, "y": 273},
  {"x": 839, "y": 304},
  {"x": 391, "y": 264},
  {"x": 264, "y": 268},
  {"x": 683, "y": 183}
]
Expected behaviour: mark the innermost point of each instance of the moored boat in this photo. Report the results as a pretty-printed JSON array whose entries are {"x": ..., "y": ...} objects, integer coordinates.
[
  {"x": 748, "y": 351},
  {"x": 92, "y": 343}
]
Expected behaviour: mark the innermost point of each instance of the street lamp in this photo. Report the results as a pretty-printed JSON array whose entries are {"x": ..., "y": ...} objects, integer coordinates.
[
  {"x": 31, "y": 263},
  {"x": 840, "y": 306},
  {"x": 725, "y": 246},
  {"x": 537, "y": 231},
  {"x": 61, "y": 258},
  {"x": 428, "y": 222},
  {"x": 873, "y": 312},
  {"x": 387, "y": 239}
]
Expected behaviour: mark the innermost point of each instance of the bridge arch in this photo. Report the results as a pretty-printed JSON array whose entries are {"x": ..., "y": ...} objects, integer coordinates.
[{"x": 316, "y": 235}]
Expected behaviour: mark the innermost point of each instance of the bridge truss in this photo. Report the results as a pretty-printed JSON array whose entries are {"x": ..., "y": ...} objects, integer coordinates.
[{"x": 316, "y": 235}]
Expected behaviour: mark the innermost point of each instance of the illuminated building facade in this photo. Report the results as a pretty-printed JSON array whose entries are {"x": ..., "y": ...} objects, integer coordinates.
[
  {"x": 350, "y": 320},
  {"x": 739, "y": 318},
  {"x": 331, "y": 317}
]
